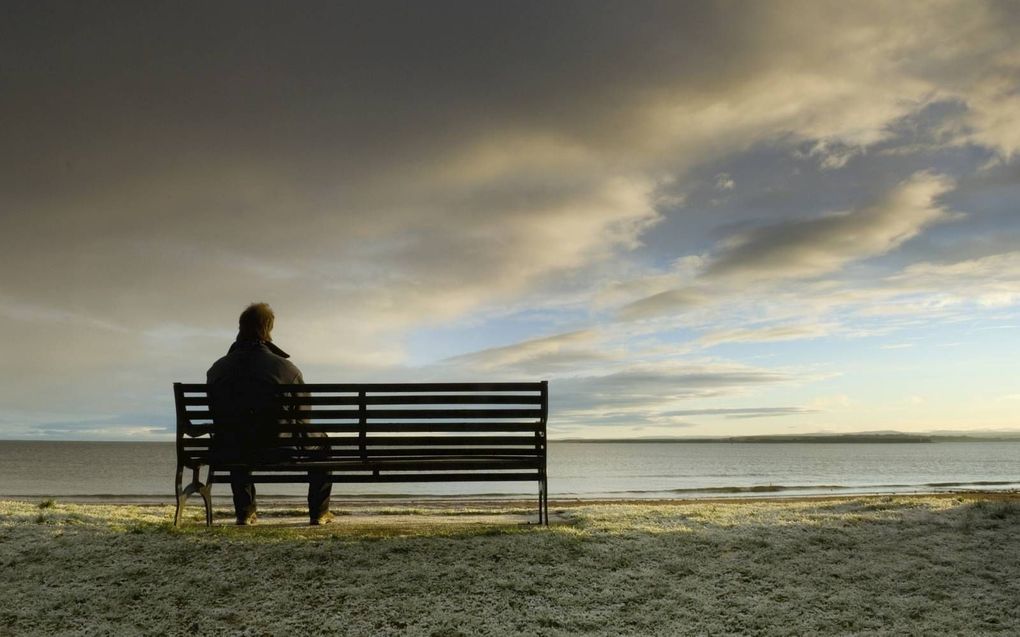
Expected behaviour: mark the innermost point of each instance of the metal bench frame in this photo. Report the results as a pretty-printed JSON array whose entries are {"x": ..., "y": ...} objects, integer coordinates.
[{"x": 379, "y": 433}]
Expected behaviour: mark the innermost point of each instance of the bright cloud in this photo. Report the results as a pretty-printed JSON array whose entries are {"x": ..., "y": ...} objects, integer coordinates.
[{"x": 810, "y": 247}]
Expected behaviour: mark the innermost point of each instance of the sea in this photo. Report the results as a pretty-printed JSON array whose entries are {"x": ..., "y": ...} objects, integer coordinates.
[{"x": 125, "y": 471}]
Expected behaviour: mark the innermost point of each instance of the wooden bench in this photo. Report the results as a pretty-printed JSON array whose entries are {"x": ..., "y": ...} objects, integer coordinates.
[{"x": 379, "y": 433}]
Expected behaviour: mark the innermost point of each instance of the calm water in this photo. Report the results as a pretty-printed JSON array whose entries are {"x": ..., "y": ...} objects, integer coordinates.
[{"x": 583, "y": 470}]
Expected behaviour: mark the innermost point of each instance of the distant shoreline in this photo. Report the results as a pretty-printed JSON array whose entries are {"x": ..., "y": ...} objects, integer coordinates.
[{"x": 807, "y": 439}]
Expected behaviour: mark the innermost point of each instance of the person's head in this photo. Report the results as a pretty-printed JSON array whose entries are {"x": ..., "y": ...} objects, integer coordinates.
[{"x": 256, "y": 323}]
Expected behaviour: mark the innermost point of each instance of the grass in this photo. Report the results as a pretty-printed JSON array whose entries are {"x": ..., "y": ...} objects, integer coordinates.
[{"x": 893, "y": 565}]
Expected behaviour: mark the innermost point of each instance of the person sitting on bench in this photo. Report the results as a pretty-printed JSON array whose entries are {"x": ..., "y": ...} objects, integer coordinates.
[{"x": 243, "y": 389}]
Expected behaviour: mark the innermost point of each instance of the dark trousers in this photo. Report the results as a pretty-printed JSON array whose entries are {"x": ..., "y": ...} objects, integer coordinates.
[{"x": 319, "y": 489}]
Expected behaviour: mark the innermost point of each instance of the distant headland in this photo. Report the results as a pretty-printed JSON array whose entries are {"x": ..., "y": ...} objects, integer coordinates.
[{"x": 864, "y": 437}]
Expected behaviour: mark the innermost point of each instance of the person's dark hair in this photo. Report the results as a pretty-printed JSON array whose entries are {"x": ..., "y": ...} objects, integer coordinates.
[{"x": 256, "y": 323}]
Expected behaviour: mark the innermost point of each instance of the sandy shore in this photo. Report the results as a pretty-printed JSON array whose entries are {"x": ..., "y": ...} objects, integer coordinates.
[{"x": 937, "y": 564}]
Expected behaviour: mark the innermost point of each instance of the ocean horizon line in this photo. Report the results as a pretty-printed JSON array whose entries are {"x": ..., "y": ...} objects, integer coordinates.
[{"x": 853, "y": 437}]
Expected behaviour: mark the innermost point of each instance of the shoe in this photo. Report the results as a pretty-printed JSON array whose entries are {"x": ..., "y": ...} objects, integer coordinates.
[
  {"x": 323, "y": 519},
  {"x": 247, "y": 521}
]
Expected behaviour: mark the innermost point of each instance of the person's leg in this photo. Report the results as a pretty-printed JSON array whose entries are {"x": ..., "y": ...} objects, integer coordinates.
[
  {"x": 319, "y": 489},
  {"x": 244, "y": 495}
]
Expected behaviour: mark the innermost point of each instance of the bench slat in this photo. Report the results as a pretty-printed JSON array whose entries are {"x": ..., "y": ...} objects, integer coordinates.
[
  {"x": 430, "y": 452},
  {"x": 339, "y": 478},
  {"x": 393, "y": 441},
  {"x": 395, "y": 464},
  {"x": 424, "y": 387},
  {"x": 304, "y": 414},
  {"x": 398, "y": 387},
  {"x": 451, "y": 399},
  {"x": 376, "y": 461},
  {"x": 446, "y": 414},
  {"x": 394, "y": 427},
  {"x": 396, "y": 414}
]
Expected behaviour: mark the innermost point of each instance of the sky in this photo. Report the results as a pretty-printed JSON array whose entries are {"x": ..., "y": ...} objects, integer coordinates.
[{"x": 693, "y": 219}]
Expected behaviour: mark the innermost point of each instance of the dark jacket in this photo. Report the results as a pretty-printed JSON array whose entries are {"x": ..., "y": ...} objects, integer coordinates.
[
  {"x": 255, "y": 361},
  {"x": 244, "y": 400}
]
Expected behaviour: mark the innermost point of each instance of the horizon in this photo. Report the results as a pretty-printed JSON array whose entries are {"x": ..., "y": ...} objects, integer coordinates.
[
  {"x": 694, "y": 221},
  {"x": 975, "y": 435}
]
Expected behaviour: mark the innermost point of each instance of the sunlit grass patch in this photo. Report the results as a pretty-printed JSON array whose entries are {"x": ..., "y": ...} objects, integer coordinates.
[
  {"x": 359, "y": 532},
  {"x": 448, "y": 511}
]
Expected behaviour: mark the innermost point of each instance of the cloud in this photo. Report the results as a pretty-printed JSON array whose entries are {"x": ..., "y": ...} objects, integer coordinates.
[
  {"x": 361, "y": 194},
  {"x": 833, "y": 154},
  {"x": 108, "y": 426},
  {"x": 31, "y": 313},
  {"x": 771, "y": 333},
  {"x": 650, "y": 394},
  {"x": 670, "y": 381},
  {"x": 810, "y": 247},
  {"x": 950, "y": 291},
  {"x": 668, "y": 302},
  {"x": 758, "y": 275},
  {"x": 987, "y": 274},
  {"x": 539, "y": 356},
  {"x": 745, "y": 412},
  {"x": 637, "y": 385}
]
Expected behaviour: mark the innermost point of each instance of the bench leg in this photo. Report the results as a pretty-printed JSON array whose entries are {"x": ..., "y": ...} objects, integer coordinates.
[
  {"x": 542, "y": 516},
  {"x": 545, "y": 500},
  {"x": 205, "y": 490},
  {"x": 206, "y": 493},
  {"x": 196, "y": 486},
  {"x": 180, "y": 496}
]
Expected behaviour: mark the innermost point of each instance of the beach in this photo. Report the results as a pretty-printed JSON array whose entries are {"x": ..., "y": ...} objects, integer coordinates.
[{"x": 921, "y": 564}]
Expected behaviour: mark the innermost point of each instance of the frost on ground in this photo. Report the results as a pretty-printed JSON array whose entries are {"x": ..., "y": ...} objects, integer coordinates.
[{"x": 903, "y": 565}]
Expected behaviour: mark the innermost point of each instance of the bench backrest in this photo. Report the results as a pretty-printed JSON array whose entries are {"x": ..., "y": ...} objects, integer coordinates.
[{"x": 389, "y": 420}]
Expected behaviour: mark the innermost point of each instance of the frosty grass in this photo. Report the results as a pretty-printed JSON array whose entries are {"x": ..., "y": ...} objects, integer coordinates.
[{"x": 878, "y": 565}]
